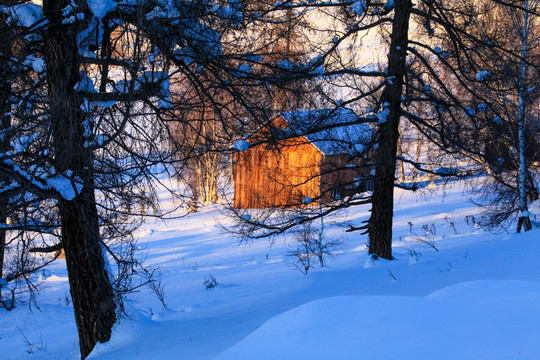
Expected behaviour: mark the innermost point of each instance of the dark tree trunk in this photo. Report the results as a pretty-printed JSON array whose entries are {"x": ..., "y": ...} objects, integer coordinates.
[
  {"x": 91, "y": 291},
  {"x": 90, "y": 286},
  {"x": 525, "y": 222},
  {"x": 380, "y": 222},
  {"x": 6, "y": 77}
]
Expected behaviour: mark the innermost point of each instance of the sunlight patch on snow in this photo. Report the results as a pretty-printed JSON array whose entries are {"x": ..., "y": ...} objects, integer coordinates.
[{"x": 359, "y": 248}]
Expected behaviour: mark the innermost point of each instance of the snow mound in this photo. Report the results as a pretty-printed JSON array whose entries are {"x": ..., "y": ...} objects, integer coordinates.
[
  {"x": 470, "y": 320},
  {"x": 535, "y": 207}
]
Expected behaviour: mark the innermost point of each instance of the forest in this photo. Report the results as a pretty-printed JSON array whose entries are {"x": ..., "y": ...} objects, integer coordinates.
[{"x": 296, "y": 120}]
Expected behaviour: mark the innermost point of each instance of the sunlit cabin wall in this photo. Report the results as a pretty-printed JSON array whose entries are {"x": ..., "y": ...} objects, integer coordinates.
[{"x": 277, "y": 176}]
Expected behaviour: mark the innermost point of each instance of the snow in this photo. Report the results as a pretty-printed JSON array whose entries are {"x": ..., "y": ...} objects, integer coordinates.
[
  {"x": 445, "y": 171},
  {"x": 73, "y": 18},
  {"x": 319, "y": 70},
  {"x": 124, "y": 86},
  {"x": 165, "y": 9},
  {"x": 383, "y": 115},
  {"x": 307, "y": 200},
  {"x": 24, "y": 15},
  {"x": 310, "y": 66},
  {"x": 228, "y": 13},
  {"x": 478, "y": 297},
  {"x": 242, "y": 70},
  {"x": 256, "y": 58},
  {"x": 100, "y": 139},
  {"x": 160, "y": 78},
  {"x": 245, "y": 68},
  {"x": 482, "y": 75},
  {"x": 84, "y": 52},
  {"x": 332, "y": 131},
  {"x": 85, "y": 84},
  {"x": 455, "y": 322},
  {"x": 103, "y": 104},
  {"x": 285, "y": 64},
  {"x": 203, "y": 39},
  {"x": 241, "y": 145},
  {"x": 21, "y": 143},
  {"x": 64, "y": 186},
  {"x": 165, "y": 103},
  {"x": 359, "y": 7},
  {"x": 389, "y": 4},
  {"x": 39, "y": 65},
  {"x": 482, "y": 107},
  {"x": 535, "y": 207},
  {"x": 101, "y": 7}
]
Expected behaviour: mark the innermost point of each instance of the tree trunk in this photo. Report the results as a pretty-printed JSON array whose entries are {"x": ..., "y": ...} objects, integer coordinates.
[
  {"x": 208, "y": 174},
  {"x": 6, "y": 77},
  {"x": 380, "y": 222},
  {"x": 522, "y": 178},
  {"x": 400, "y": 153},
  {"x": 418, "y": 151},
  {"x": 90, "y": 286}
]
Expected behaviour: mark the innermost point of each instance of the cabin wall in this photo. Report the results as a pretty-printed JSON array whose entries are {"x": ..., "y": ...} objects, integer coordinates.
[
  {"x": 277, "y": 176},
  {"x": 342, "y": 175}
]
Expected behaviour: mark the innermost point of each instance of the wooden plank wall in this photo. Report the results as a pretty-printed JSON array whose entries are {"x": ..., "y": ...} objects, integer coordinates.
[
  {"x": 277, "y": 176},
  {"x": 339, "y": 178}
]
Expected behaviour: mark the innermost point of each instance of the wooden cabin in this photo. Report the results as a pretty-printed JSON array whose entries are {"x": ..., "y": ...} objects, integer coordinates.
[{"x": 315, "y": 155}]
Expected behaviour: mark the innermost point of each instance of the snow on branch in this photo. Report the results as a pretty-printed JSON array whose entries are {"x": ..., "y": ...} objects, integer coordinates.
[{"x": 25, "y": 15}]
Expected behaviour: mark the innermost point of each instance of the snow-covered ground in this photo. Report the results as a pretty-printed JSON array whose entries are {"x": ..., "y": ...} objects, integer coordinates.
[{"x": 472, "y": 295}]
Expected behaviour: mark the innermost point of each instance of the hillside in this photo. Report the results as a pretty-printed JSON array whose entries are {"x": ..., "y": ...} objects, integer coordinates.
[{"x": 453, "y": 292}]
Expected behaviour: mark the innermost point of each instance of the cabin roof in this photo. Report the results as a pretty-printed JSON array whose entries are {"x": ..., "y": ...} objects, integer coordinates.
[{"x": 332, "y": 131}]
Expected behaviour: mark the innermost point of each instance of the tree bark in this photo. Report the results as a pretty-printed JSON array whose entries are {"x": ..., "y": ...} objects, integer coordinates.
[
  {"x": 90, "y": 286},
  {"x": 6, "y": 77},
  {"x": 522, "y": 177},
  {"x": 380, "y": 222},
  {"x": 418, "y": 151},
  {"x": 400, "y": 153}
]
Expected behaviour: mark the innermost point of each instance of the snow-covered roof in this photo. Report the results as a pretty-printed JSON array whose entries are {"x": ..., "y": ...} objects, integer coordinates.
[{"x": 331, "y": 139}]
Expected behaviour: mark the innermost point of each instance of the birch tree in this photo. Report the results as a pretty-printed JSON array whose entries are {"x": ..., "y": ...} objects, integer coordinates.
[
  {"x": 526, "y": 39},
  {"x": 496, "y": 63}
]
